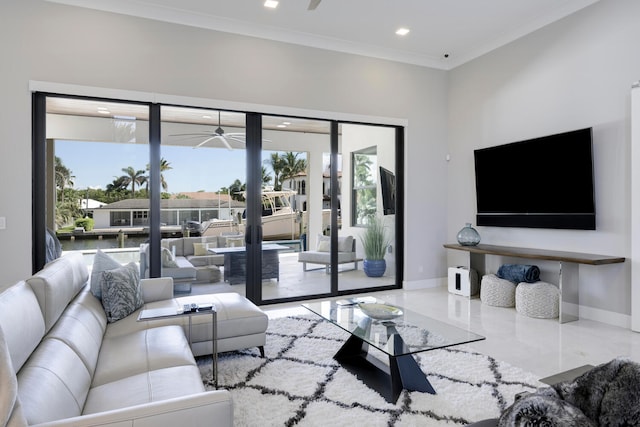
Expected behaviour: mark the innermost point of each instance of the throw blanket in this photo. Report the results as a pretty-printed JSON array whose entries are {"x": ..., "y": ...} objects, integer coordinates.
[
  {"x": 608, "y": 395},
  {"x": 517, "y": 273}
]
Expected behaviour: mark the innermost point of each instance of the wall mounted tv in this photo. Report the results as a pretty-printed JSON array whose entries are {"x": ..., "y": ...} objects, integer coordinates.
[{"x": 544, "y": 182}]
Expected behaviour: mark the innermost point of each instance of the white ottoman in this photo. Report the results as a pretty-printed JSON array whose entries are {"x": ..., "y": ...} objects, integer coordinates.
[
  {"x": 539, "y": 299},
  {"x": 497, "y": 292},
  {"x": 241, "y": 324}
]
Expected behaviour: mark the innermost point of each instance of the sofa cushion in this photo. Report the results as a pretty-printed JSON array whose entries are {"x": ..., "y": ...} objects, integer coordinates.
[
  {"x": 176, "y": 243},
  {"x": 101, "y": 262},
  {"x": 155, "y": 348},
  {"x": 79, "y": 329},
  {"x": 345, "y": 244},
  {"x": 58, "y": 284},
  {"x": 185, "y": 269},
  {"x": 121, "y": 293},
  {"x": 10, "y": 409},
  {"x": 189, "y": 245},
  {"x": 325, "y": 257},
  {"x": 146, "y": 387},
  {"x": 53, "y": 384},
  {"x": 205, "y": 261},
  {"x": 22, "y": 322}
]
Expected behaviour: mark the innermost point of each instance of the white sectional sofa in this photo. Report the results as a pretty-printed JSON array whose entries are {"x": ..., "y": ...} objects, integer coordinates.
[{"x": 62, "y": 364}]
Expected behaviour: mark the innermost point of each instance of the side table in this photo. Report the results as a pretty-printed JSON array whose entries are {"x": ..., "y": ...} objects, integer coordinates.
[{"x": 168, "y": 312}]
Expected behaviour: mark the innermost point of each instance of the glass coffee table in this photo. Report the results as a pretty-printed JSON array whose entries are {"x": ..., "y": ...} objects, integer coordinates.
[{"x": 394, "y": 331}]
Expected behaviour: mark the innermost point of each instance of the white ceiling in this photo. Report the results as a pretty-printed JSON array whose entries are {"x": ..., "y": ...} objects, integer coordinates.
[{"x": 444, "y": 33}]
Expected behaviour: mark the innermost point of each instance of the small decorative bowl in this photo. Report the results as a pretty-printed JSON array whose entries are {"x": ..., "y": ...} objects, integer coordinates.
[{"x": 380, "y": 311}]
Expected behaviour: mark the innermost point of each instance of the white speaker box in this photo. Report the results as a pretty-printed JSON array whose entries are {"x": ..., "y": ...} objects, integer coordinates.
[{"x": 463, "y": 281}]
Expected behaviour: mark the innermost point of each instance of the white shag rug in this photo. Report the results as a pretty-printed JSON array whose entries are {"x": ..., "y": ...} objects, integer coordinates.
[{"x": 299, "y": 384}]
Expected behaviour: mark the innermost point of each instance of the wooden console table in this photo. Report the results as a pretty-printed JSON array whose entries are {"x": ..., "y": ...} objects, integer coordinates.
[{"x": 568, "y": 263}]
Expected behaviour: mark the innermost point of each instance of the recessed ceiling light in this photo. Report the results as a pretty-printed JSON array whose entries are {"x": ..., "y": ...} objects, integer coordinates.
[
  {"x": 206, "y": 117},
  {"x": 282, "y": 126},
  {"x": 271, "y": 4},
  {"x": 402, "y": 31},
  {"x": 286, "y": 123},
  {"x": 103, "y": 111}
]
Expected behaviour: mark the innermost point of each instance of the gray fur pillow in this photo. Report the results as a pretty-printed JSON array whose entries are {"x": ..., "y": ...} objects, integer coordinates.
[
  {"x": 543, "y": 408},
  {"x": 121, "y": 292}
]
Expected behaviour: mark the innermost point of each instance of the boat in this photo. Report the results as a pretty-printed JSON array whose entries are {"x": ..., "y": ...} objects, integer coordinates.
[{"x": 279, "y": 220}]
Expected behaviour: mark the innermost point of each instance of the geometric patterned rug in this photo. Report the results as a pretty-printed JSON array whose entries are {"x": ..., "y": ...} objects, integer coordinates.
[{"x": 299, "y": 384}]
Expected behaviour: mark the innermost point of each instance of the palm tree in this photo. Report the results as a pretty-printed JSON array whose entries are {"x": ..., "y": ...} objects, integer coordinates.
[
  {"x": 133, "y": 177},
  {"x": 277, "y": 164},
  {"x": 63, "y": 177},
  {"x": 292, "y": 166},
  {"x": 364, "y": 183},
  {"x": 236, "y": 189},
  {"x": 164, "y": 166},
  {"x": 266, "y": 178}
]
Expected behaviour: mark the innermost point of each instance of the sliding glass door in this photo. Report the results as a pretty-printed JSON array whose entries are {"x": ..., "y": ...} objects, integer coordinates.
[
  {"x": 203, "y": 182},
  {"x": 294, "y": 206},
  {"x": 369, "y": 204},
  {"x": 95, "y": 177},
  {"x": 272, "y": 207}
]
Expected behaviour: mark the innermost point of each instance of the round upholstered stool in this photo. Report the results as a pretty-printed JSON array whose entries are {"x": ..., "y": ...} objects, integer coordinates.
[
  {"x": 497, "y": 292},
  {"x": 539, "y": 299}
]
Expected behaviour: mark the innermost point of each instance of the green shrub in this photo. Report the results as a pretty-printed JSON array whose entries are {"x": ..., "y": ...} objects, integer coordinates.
[
  {"x": 374, "y": 239},
  {"x": 86, "y": 223}
]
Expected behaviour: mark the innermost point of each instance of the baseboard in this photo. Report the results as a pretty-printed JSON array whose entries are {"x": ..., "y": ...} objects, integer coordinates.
[
  {"x": 588, "y": 313},
  {"x": 605, "y": 316},
  {"x": 424, "y": 284}
]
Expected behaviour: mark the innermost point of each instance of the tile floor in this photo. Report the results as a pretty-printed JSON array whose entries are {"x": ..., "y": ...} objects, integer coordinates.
[{"x": 541, "y": 346}]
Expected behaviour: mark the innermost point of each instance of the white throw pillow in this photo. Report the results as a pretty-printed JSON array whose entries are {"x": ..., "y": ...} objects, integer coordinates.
[
  {"x": 167, "y": 259},
  {"x": 324, "y": 243},
  {"x": 101, "y": 262},
  {"x": 200, "y": 249}
]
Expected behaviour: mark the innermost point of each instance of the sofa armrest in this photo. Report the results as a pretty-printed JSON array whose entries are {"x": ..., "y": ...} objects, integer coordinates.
[
  {"x": 215, "y": 407},
  {"x": 158, "y": 289}
]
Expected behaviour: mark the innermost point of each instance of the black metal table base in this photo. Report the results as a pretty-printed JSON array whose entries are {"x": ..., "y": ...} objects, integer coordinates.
[{"x": 403, "y": 372}]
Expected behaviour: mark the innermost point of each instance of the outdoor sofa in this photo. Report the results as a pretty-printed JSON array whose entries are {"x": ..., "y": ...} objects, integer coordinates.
[
  {"x": 187, "y": 259},
  {"x": 322, "y": 254}
]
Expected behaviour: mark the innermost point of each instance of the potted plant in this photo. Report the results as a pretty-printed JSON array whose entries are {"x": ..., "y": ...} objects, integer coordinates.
[{"x": 375, "y": 243}]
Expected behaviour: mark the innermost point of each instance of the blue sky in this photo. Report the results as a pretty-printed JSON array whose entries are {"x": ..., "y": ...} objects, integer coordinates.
[{"x": 96, "y": 164}]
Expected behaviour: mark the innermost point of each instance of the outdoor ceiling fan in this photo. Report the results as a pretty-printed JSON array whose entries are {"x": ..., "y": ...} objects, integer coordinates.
[{"x": 218, "y": 134}]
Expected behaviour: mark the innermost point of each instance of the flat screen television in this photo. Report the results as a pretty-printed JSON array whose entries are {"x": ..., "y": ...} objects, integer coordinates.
[
  {"x": 544, "y": 182},
  {"x": 388, "y": 188}
]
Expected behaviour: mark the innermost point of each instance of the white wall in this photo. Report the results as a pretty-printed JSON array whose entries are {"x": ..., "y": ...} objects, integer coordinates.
[
  {"x": 49, "y": 42},
  {"x": 573, "y": 74}
]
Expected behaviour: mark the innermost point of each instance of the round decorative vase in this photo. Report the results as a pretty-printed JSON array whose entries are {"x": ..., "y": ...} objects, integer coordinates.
[
  {"x": 374, "y": 267},
  {"x": 468, "y": 236}
]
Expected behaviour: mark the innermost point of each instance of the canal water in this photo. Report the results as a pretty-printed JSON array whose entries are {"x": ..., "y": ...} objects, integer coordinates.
[{"x": 104, "y": 243}]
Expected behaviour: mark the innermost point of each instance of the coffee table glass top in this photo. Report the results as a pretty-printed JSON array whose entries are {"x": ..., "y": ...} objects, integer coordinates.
[{"x": 391, "y": 329}]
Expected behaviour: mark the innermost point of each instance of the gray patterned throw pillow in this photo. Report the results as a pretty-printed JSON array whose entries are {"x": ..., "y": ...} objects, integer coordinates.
[{"x": 121, "y": 292}]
